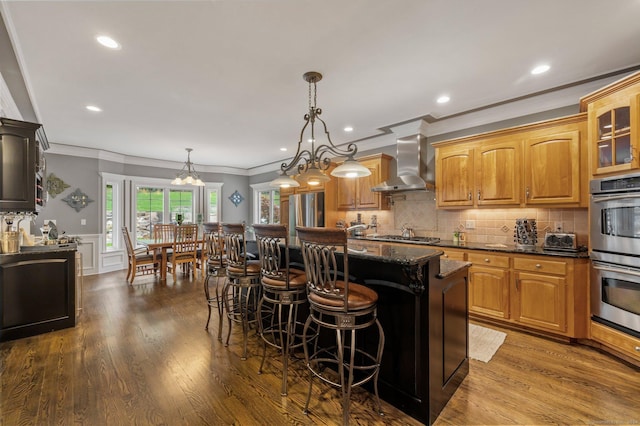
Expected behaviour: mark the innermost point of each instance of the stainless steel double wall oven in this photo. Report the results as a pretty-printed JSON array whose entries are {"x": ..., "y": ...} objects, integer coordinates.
[{"x": 615, "y": 252}]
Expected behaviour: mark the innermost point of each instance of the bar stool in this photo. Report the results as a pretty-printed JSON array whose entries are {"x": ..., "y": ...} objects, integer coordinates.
[
  {"x": 339, "y": 305},
  {"x": 241, "y": 291},
  {"x": 283, "y": 291},
  {"x": 216, "y": 266}
]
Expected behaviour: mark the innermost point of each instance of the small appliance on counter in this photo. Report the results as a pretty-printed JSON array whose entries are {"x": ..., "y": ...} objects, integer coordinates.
[
  {"x": 525, "y": 234},
  {"x": 558, "y": 241}
]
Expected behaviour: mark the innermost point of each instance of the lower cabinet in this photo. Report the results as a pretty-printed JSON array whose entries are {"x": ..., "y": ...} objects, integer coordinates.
[{"x": 532, "y": 291}]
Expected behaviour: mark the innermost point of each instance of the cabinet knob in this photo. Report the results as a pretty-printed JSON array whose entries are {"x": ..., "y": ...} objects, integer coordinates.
[
  {"x": 538, "y": 266},
  {"x": 445, "y": 255},
  {"x": 527, "y": 193},
  {"x": 637, "y": 348},
  {"x": 478, "y": 195},
  {"x": 469, "y": 196},
  {"x": 487, "y": 260}
]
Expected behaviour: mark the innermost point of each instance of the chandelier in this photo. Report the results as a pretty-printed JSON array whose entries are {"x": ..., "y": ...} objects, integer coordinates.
[
  {"x": 188, "y": 175},
  {"x": 311, "y": 163}
]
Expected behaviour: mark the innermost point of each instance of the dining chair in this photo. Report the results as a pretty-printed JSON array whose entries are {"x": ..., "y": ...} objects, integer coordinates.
[
  {"x": 185, "y": 249},
  {"x": 345, "y": 307},
  {"x": 241, "y": 291},
  {"x": 216, "y": 264},
  {"x": 140, "y": 261},
  {"x": 283, "y": 292},
  {"x": 163, "y": 232}
]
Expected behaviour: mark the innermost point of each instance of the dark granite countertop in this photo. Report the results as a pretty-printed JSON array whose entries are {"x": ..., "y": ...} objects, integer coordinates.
[
  {"x": 404, "y": 254},
  {"x": 511, "y": 248},
  {"x": 449, "y": 267},
  {"x": 44, "y": 249}
]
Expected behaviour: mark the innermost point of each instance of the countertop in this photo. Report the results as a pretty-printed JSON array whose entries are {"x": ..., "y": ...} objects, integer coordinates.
[
  {"x": 510, "y": 248},
  {"x": 449, "y": 267},
  {"x": 504, "y": 248},
  {"x": 44, "y": 249},
  {"x": 404, "y": 254}
]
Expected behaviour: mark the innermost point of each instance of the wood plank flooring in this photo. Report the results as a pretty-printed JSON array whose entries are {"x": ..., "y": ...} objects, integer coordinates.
[{"x": 140, "y": 356}]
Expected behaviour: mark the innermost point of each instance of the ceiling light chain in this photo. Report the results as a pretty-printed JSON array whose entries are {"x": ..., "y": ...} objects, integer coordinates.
[
  {"x": 312, "y": 167},
  {"x": 188, "y": 174}
]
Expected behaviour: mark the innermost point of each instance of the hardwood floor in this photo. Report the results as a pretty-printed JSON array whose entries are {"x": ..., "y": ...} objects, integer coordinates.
[{"x": 140, "y": 355}]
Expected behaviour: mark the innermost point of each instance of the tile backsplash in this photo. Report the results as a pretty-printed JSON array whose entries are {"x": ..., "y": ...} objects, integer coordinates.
[{"x": 418, "y": 209}]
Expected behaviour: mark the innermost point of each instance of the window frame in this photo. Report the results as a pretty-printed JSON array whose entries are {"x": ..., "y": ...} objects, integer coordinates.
[
  {"x": 208, "y": 189},
  {"x": 117, "y": 206},
  {"x": 257, "y": 189}
]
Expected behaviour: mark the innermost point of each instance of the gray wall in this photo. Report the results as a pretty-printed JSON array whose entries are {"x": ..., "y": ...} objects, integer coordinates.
[{"x": 84, "y": 173}]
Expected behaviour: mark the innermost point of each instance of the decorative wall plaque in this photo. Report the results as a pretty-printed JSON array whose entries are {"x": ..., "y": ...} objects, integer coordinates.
[
  {"x": 55, "y": 185},
  {"x": 77, "y": 199},
  {"x": 236, "y": 198}
]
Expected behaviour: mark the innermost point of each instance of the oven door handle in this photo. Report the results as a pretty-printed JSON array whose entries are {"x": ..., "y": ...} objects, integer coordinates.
[
  {"x": 616, "y": 270},
  {"x": 614, "y": 198}
]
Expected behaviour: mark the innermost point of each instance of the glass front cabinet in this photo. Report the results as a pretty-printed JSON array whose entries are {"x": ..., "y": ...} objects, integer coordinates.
[{"x": 614, "y": 126}]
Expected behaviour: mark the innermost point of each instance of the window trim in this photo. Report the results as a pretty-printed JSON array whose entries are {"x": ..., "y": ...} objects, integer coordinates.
[
  {"x": 118, "y": 184},
  {"x": 257, "y": 188},
  {"x": 208, "y": 188}
]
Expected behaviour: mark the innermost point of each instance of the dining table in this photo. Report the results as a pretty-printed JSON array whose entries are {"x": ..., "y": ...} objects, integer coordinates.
[{"x": 164, "y": 246}]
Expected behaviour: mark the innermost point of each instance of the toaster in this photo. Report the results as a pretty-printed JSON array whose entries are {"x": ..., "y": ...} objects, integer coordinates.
[{"x": 560, "y": 241}]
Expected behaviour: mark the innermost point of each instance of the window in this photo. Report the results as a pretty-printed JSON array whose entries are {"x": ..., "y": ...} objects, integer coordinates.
[
  {"x": 111, "y": 212},
  {"x": 266, "y": 203},
  {"x": 149, "y": 211},
  {"x": 181, "y": 202},
  {"x": 212, "y": 202}
]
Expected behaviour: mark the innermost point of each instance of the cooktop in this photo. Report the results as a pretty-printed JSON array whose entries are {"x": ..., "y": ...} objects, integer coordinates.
[{"x": 400, "y": 238}]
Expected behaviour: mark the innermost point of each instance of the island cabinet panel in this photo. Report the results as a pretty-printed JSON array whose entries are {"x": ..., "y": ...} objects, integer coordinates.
[
  {"x": 37, "y": 293},
  {"x": 542, "y": 163}
]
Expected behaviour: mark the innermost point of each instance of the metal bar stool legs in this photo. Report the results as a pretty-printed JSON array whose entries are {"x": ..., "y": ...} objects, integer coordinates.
[
  {"x": 214, "y": 300},
  {"x": 241, "y": 297}
]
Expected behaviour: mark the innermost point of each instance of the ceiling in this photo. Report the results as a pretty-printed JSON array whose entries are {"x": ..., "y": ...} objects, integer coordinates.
[{"x": 225, "y": 77}]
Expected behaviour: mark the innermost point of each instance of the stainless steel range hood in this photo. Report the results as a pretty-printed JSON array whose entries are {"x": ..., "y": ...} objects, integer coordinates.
[{"x": 415, "y": 161}]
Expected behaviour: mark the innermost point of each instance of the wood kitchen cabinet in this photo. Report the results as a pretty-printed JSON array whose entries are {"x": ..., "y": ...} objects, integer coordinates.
[
  {"x": 620, "y": 344},
  {"x": 614, "y": 126},
  {"x": 542, "y": 163},
  {"x": 356, "y": 194},
  {"x": 548, "y": 294},
  {"x": 489, "y": 284}
]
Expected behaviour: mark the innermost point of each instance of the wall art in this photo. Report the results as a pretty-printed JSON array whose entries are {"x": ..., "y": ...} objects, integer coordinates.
[
  {"x": 77, "y": 199},
  {"x": 236, "y": 198},
  {"x": 55, "y": 185}
]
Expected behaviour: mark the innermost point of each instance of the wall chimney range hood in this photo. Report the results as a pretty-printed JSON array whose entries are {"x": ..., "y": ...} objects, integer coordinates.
[{"x": 415, "y": 160}]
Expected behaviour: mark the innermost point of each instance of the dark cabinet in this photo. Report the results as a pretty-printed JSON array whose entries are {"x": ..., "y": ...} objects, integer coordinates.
[
  {"x": 22, "y": 175},
  {"x": 37, "y": 293}
]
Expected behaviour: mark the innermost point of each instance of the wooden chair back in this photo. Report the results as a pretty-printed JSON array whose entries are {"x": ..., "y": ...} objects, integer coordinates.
[{"x": 163, "y": 232}]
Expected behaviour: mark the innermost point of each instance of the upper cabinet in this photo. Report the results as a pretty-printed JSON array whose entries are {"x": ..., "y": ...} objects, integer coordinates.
[
  {"x": 22, "y": 173},
  {"x": 614, "y": 126},
  {"x": 356, "y": 194},
  {"x": 538, "y": 164}
]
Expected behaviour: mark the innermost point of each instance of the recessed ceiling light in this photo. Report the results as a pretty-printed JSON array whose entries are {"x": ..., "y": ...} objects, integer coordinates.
[
  {"x": 540, "y": 69},
  {"x": 443, "y": 99},
  {"x": 283, "y": 149},
  {"x": 348, "y": 129},
  {"x": 93, "y": 108},
  {"x": 107, "y": 41}
]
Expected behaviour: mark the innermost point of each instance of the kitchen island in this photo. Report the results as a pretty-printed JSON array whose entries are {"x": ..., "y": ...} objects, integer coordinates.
[
  {"x": 422, "y": 306},
  {"x": 37, "y": 291}
]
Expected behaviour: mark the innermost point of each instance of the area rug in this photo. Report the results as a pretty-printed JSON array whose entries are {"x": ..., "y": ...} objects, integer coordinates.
[{"x": 484, "y": 342}]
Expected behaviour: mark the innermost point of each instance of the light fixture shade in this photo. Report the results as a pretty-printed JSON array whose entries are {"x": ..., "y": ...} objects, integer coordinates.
[
  {"x": 314, "y": 176},
  {"x": 350, "y": 169},
  {"x": 177, "y": 181},
  {"x": 284, "y": 181}
]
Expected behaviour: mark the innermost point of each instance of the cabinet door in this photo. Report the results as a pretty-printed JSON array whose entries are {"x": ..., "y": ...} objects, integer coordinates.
[
  {"x": 17, "y": 173},
  {"x": 552, "y": 169},
  {"x": 346, "y": 194},
  {"x": 613, "y": 133},
  {"x": 365, "y": 198},
  {"x": 454, "y": 176},
  {"x": 284, "y": 210},
  {"x": 498, "y": 170},
  {"x": 489, "y": 291},
  {"x": 540, "y": 301}
]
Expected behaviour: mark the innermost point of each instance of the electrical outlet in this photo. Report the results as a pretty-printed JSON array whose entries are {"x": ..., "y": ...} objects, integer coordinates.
[
  {"x": 83, "y": 221},
  {"x": 557, "y": 226},
  {"x": 470, "y": 224}
]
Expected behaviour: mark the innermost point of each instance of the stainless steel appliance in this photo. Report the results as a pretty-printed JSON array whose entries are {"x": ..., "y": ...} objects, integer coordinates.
[
  {"x": 615, "y": 252},
  {"x": 306, "y": 210},
  {"x": 559, "y": 241}
]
